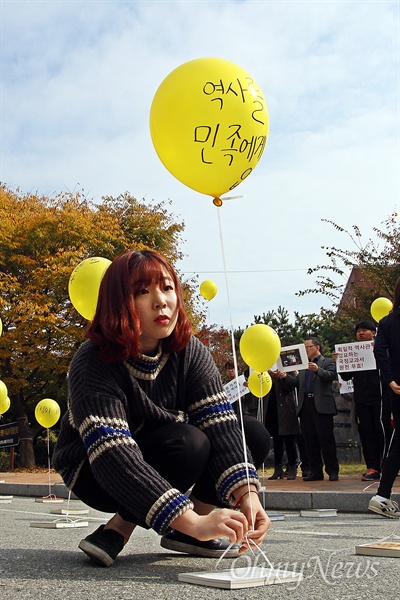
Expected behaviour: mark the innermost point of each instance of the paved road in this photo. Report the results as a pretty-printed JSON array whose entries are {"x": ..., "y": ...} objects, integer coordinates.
[{"x": 45, "y": 564}]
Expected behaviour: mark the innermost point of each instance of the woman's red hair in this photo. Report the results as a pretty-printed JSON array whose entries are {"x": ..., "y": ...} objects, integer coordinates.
[{"x": 116, "y": 326}]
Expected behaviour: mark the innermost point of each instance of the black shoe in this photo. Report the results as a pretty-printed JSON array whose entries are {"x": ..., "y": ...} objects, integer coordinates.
[
  {"x": 278, "y": 473},
  {"x": 371, "y": 475},
  {"x": 333, "y": 477},
  {"x": 314, "y": 477},
  {"x": 103, "y": 546},
  {"x": 179, "y": 542}
]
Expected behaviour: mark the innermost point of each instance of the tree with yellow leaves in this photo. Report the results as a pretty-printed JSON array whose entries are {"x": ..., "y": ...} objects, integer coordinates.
[{"x": 42, "y": 240}]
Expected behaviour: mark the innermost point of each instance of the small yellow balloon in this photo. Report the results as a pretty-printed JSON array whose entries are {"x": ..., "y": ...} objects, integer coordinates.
[
  {"x": 3, "y": 391},
  {"x": 4, "y": 405},
  {"x": 47, "y": 412},
  {"x": 259, "y": 384},
  {"x": 208, "y": 289},
  {"x": 260, "y": 347},
  {"x": 1, "y": 327},
  {"x": 84, "y": 285},
  {"x": 380, "y": 308},
  {"x": 209, "y": 124}
]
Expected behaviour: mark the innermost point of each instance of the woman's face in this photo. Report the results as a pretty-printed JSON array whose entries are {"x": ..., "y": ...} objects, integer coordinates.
[{"x": 157, "y": 307}]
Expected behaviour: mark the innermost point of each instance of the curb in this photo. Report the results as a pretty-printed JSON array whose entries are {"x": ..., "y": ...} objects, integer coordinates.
[
  {"x": 356, "y": 502},
  {"x": 35, "y": 490}
]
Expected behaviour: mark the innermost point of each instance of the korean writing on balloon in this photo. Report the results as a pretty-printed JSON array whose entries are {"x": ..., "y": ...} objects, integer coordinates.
[
  {"x": 254, "y": 94},
  {"x": 232, "y": 139}
]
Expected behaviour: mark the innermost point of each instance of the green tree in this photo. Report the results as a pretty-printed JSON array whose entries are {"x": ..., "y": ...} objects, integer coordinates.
[
  {"x": 378, "y": 261},
  {"x": 41, "y": 241},
  {"x": 323, "y": 326}
]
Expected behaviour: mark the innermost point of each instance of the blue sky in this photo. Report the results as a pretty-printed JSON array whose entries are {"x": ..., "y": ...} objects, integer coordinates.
[{"x": 78, "y": 79}]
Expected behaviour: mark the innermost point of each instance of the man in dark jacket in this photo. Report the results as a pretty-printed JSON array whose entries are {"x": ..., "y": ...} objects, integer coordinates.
[{"x": 316, "y": 408}]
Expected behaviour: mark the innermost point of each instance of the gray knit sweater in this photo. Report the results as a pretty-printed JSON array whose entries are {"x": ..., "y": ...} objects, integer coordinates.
[{"x": 110, "y": 403}]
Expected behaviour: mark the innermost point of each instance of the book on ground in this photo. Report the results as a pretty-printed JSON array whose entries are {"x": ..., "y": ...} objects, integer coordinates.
[
  {"x": 391, "y": 549},
  {"x": 243, "y": 577},
  {"x": 69, "y": 511},
  {"x": 59, "y": 524},
  {"x": 50, "y": 500},
  {"x": 6, "y": 499},
  {"x": 276, "y": 516},
  {"x": 319, "y": 512}
]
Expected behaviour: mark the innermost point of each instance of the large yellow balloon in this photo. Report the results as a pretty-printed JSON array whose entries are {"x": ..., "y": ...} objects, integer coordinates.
[
  {"x": 380, "y": 308},
  {"x": 47, "y": 412},
  {"x": 209, "y": 124},
  {"x": 260, "y": 347},
  {"x": 5, "y": 404},
  {"x": 208, "y": 289},
  {"x": 84, "y": 284},
  {"x": 3, "y": 391},
  {"x": 259, "y": 384}
]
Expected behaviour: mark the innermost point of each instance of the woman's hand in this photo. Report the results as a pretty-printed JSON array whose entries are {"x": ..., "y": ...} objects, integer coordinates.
[
  {"x": 251, "y": 522},
  {"x": 251, "y": 508},
  {"x": 223, "y": 522}
]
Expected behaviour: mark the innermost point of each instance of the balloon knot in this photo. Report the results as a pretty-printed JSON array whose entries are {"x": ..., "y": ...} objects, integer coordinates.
[{"x": 217, "y": 202}]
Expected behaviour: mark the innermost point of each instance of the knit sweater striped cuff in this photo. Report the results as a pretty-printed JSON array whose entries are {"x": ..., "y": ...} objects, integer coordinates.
[
  {"x": 235, "y": 477},
  {"x": 168, "y": 507}
]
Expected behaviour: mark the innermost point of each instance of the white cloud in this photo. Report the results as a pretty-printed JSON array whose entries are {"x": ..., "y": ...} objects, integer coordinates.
[{"x": 79, "y": 78}]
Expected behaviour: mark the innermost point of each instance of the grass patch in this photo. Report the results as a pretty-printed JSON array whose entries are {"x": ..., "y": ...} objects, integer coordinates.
[{"x": 344, "y": 469}]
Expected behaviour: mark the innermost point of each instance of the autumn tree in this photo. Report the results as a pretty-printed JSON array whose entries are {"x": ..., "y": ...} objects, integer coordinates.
[
  {"x": 218, "y": 340},
  {"x": 41, "y": 241}
]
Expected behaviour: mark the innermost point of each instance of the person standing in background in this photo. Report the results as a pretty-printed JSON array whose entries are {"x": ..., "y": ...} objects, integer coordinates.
[
  {"x": 282, "y": 423},
  {"x": 316, "y": 408},
  {"x": 387, "y": 355},
  {"x": 372, "y": 409}
]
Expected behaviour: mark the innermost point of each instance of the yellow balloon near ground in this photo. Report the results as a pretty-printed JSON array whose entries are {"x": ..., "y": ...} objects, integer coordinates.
[
  {"x": 84, "y": 284},
  {"x": 5, "y": 404},
  {"x": 260, "y": 347},
  {"x": 209, "y": 124},
  {"x": 380, "y": 308},
  {"x": 259, "y": 384},
  {"x": 1, "y": 327},
  {"x": 208, "y": 289},
  {"x": 47, "y": 412},
  {"x": 3, "y": 391}
]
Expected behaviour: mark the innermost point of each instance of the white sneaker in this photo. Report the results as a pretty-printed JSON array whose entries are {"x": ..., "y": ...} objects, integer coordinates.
[{"x": 387, "y": 508}]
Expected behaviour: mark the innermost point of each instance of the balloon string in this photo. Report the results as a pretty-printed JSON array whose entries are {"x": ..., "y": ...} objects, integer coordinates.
[
  {"x": 50, "y": 496},
  {"x": 236, "y": 366},
  {"x": 249, "y": 542},
  {"x": 209, "y": 324},
  {"x": 260, "y": 417},
  {"x": 48, "y": 458}
]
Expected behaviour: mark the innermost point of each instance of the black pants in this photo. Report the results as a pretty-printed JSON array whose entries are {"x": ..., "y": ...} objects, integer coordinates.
[
  {"x": 305, "y": 463},
  {"x": 287, "y": 442},
  {"x": 391, "y": 466},
  {"x": 180, "y": 453},
  {"x": 319, "y": 439},
  {"x": 375, "y": 432}
]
